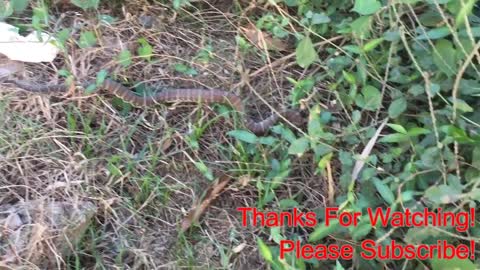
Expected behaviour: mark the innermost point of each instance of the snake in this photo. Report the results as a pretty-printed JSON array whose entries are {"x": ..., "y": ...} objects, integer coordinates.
[{"x": 207, "y": 96}]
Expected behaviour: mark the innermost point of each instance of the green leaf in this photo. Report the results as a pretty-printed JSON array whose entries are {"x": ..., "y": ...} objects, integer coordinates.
[
  {"x": 145, "y": 50},
  {"x": 243, "y": 135},
  {"x": 394, "y": 138},
  {"x": 125, "y": 58},
  {"x": 264, "y": 251},
  {"x": 462, "y": 105},
  {"x": 370, "y": 99},
  {"x": 86, "y": 4},
  {"x": 443, "y": 194},
  {"x": 319, "y": 18},
  {"x": 476, "y": 157},
  {"x": 305, "y": 53},
  {"x": 269, "y": 140},
  {"x": 465, "y": 10},
  {"x": 361, "y": 27},
  {"x": 87, "y": 39},
  {"x": 322, "y": 164},
  {"x": 360, "y": 231},
  {"x": 398, "y": 128},
  {"x": 384, "y": 191},
  {"x": 107, "y": 19},
  {"x": 434, "y": 34},
  {"x": 452, "y": 264},
  {"x": 185, "y": 69},
  {"x": 288, "y": 203},
  {"x": 177, "y": 4},
  {"x": 204, "y": 170},
  {"x": 397, "y": 107},
  {"x": 6, "y": 9},
  {"x": 413, "y": 132},
  {"x": 444, "y": 57},
  {"x": 19, "y": 5},
  {"x": 322, "y": 230},
  {"x": 315, "y": 127},
  {"x": 372, "y": 44},
  {"x": 101, "y": 75},
  {"x": 366, "y": 7},
  {"x": 349, "y": 77},
  {"x": 299, "y": 146}
]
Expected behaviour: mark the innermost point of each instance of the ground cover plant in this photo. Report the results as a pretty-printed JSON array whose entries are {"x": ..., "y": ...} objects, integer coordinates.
[{"x": 389, "y": 89}]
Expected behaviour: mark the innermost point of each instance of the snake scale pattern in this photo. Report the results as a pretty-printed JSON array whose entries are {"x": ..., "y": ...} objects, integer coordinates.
[{"x": 207, "y": 96}]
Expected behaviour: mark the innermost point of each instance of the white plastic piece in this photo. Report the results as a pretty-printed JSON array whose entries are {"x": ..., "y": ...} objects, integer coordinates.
[{"x": 26, "y": 49}]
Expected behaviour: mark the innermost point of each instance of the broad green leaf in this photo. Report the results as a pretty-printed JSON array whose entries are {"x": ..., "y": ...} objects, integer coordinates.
[
  {"x": 177, "y": 4},
  {"x": 462, "y": 105},
  {"x": 452, "y": 264},
  {"x": 305, "y": 53},
  {"x": 394, "y": 138},
  {"x": 204, "y": 170},
  {"x": 349, "y": 77},
  {"x": 361, "y": 27},
  {"x": 319, "y": 18},
  {"x": 315, "y": 127},
  {"x": 87, "y": 39},
  {"x": 397, "y": 107},
  {"x": 398, "y": 128},
  {"x": 322, "y": 230},
  {"x": 264, "y": 250},
  {"x": 145, "y": 50},
  {"x": 413, "y": 132},
  {"x": 299, "y": 146},
  {"x": 338, "y": 266},
  {"x": 456, "y": 133},
  {"x": 86, "y": 4},
  {"x": 288, "y": 203},
  {"x": 372, "y": 44},
  {"x": 366, "y": 7},
  {"x": 185, "y": 69},
  {"x": 384, "y": 191},
  {"x": 443, "y": 194},
  {"x": 370, "y": 98},
  {"x": 269, "y": 140},
  {"x": 434, "y": 34},
  {"x": 125, "y": 58},
  {"x": 6, "y": 9},
  {"x": 444, "y": 57},
  {"x": 291, "y": 3},
  {"x": 19, "y": 5},
  {"x": 361, "y": 230},
  {"x": 324, "y": 161},
  {"x": 243, "y": 135},
  {"x": 101, "y": 75},
  {"x": 476, "y": 157},
  {"x": 465, "y": 10}
]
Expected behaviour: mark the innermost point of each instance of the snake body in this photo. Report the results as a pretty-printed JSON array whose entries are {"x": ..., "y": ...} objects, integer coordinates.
[{"x": 178, "y": 95}]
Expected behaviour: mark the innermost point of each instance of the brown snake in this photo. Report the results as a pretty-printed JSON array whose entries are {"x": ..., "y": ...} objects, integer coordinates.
[{"x": 177, "y": 95}]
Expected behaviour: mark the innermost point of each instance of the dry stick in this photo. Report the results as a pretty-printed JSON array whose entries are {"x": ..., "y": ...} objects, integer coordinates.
[
  {"x": 331, "y": 187},
  {"x": 454, "y": 33},
  {"x": 455, "y": 89},
  {"x": 429, "y": 95},
  {"x": 387, "y": 72},
  {"x": 459, "y": 76}
]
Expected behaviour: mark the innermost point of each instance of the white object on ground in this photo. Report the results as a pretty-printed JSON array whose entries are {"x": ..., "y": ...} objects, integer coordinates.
[{"x": 26, "y": 49}]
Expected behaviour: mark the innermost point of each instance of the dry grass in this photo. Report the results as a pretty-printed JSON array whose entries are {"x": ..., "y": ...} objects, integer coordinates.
[{"x": 136, "y": 166}]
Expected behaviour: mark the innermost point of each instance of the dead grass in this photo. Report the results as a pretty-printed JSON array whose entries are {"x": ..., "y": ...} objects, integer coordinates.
[{"x": 136, "y": 167}]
